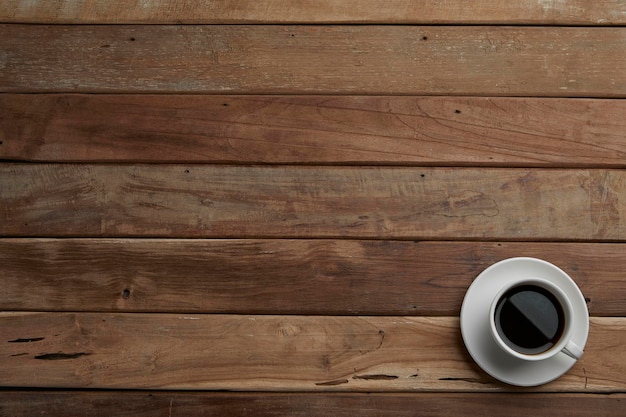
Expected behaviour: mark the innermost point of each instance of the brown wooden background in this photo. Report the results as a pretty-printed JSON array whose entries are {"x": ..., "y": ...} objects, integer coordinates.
[{"x": 275, "y": 208}]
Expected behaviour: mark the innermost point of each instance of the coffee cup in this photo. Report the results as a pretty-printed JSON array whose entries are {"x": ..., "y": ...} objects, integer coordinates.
[{"x": 532, "y": 319}]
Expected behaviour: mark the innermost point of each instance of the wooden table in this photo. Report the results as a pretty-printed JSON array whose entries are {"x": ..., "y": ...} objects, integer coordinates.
[{"x": 275, "y": 208}]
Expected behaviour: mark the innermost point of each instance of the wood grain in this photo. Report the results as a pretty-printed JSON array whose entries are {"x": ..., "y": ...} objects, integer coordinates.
[
  {"x": 290, "y": 199},
  {"x": 479, "y": 131},
  {"x": 56, "y": 200},
  {"x": 462, "y": 60},
  {"x": 182, "y": 403},
  {"x": 585, "y": 12},
  {"x": 276, "y": 353},
  {"x": 324, "y": 277}
]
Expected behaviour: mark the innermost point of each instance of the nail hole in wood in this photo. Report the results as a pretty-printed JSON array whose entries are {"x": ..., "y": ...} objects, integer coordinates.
[{"x": 126, "y": 294}]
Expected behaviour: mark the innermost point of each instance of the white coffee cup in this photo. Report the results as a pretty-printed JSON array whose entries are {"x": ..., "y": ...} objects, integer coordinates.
[{"x": 531, "y": 308}]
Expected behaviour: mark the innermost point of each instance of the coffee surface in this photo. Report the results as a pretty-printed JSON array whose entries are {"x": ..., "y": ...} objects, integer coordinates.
[{"x": 529, "y": 319}]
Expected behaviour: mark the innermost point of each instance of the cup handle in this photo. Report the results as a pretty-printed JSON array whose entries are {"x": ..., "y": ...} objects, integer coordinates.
[{"x": 572, "y": 350}]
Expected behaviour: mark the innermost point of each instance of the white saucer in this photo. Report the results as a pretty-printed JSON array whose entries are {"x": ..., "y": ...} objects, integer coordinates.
[{"x": 475, "y": 322}]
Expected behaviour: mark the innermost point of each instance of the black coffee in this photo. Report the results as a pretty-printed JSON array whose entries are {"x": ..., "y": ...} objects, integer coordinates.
[{"x": 529, "y": 319}]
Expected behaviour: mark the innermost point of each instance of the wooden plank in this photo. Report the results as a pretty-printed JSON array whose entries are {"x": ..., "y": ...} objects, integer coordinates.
[
  {"x": 464, "y": 60},
  {"x": 276, "y": 353},
  {"x": 339, "y": 277},
  {"x": 181, "y": 403},
  {"x": 581, "y": 12},
  {"x": 314, "y": 130},
  {"x": 56, "y": 200}
]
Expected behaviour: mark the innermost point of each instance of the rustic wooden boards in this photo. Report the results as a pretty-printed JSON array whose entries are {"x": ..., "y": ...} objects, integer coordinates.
[
  {"x": 342, "y": 277},
  {"x": 338, "y": 202},
  {"x": 257, "y": 59},
  {"x": 477, "y": 131},
  {"x": 95, "y": 350},
  {"x": 576, "y": 12},
  {"x": 339, "y": 193}
]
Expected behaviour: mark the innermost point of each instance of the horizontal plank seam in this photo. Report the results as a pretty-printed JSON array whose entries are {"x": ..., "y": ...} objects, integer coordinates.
[
  {"x": 308, "y": 94},
  {"x": 373, "y": 22},
  {"x": 503, "y": 390},
  {"x": 369, "y": 165},
  {"x": 4, "y": 390},
  {"x": 326, "y": 164},
  {"x": 338, "y": 238},
  {"x": 313, "y": 94},
  {"x": 205, "y": 314},
  {"x": 313, "y": 237}
]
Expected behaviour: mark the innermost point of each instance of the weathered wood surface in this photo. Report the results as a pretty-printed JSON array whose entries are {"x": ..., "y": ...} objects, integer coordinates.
[
  {"x": 314, "y": 130},
  {"x": 186, "y": 404},
  {"x": 573, "y": 12},
  {"x": 530, "y": 162},
  {"x": 95, "y": 350},
  {"x": 465, "y": 60},
  {"x": 313, "y": 276},
  {"x": 368, "y": 202}
]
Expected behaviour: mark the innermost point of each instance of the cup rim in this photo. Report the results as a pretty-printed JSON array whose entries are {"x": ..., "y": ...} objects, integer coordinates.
[{"x": 565, "y": 303}]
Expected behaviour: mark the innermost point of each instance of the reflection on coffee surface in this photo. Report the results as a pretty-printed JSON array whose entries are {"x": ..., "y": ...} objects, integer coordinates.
[{"x": 529, "y": 319}]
